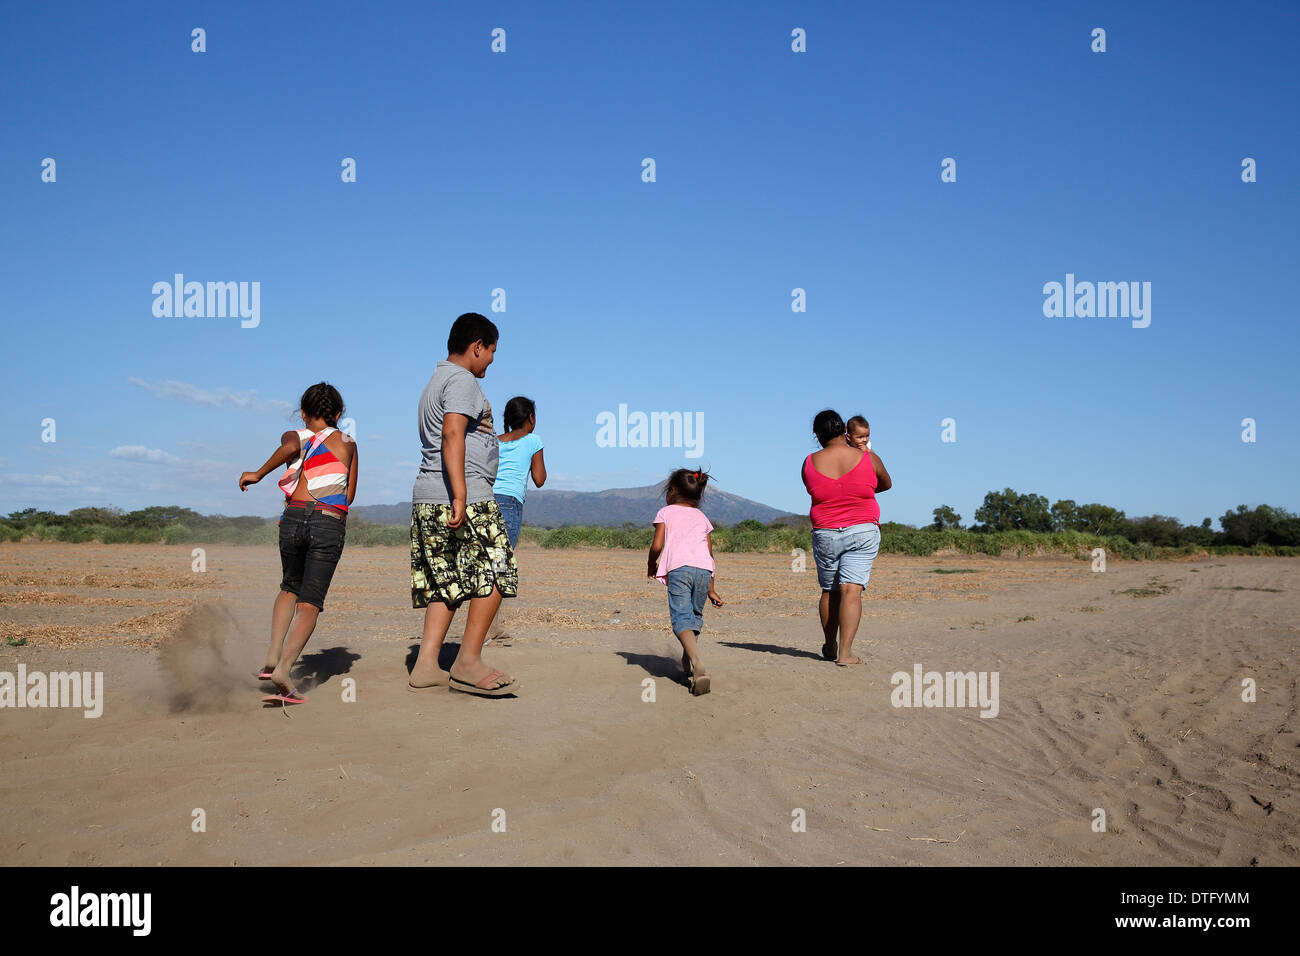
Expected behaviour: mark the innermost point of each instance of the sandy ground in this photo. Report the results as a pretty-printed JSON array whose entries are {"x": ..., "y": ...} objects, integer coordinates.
[{"x": 1131, "y": 703}]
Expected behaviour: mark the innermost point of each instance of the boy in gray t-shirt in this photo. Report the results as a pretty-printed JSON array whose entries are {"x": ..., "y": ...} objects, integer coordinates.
[
  {"x": 459, "y": 547},
  {"x": 453, "y": 388}
]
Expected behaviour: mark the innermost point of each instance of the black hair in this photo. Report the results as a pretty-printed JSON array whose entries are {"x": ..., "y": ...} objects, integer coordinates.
[
  {"x": 518, "y": 411},
  {"x": 322, "y": 401},
  {"x": 857, "y": 421},
  {"x": 468, "y": 329},
  {"x": 827, "y": 425},
  {"x": 689, "y": 485}
]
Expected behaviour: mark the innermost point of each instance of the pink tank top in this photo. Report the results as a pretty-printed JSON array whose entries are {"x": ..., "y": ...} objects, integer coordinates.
[{"x": 842, "y": 502}]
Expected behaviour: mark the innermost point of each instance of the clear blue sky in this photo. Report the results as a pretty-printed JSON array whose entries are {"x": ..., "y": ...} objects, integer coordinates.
[{"x": 775, "y": 170}]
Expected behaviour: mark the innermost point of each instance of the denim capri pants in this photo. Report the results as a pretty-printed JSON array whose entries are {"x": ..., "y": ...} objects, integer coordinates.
[
  {"x": 688, "y": 589},
  {"x": 845, "y": 555},
  {"x": 512, "y": 512}
]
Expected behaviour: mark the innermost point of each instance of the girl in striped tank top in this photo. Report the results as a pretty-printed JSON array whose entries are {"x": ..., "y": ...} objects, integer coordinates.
[{"x": 318, "y": 484}]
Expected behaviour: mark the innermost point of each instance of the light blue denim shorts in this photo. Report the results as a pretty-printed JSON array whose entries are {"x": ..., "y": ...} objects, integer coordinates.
[
  {"x": 845, "y": 555},
  {"x": 688, "y": 590}
]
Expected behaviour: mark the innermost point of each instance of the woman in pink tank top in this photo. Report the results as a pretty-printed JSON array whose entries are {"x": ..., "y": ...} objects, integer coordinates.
[{"x": 842, "y": 480}]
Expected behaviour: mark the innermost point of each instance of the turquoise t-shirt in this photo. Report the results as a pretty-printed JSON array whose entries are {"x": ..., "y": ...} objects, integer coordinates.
[{"x": 515, "y": 465}]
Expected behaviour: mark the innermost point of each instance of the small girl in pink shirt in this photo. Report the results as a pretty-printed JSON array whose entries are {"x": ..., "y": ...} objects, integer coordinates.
[{"x": 681, "y": 556}]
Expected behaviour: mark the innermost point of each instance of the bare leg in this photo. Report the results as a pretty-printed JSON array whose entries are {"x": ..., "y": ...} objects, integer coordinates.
[
  {"x": 850, "y": 615},
  {"x": 281, "y": 618},
  {"x": 829, "y": 609},
  {"x": 468, "y": 665},
  {"x": 303, "y": 625},
  {"x": 699, "y": 677},
  {"x": 498, "y": 630},
  {"x": 426, "y": 672},
  {"x": 692, "y": 652}
]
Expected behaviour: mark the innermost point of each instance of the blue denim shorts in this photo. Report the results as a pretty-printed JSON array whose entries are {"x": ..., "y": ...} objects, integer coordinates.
[
  {"x": 688, "y": 589},
  {"x": 512, "y": 511},
  {"x": 845, "y": 555}
]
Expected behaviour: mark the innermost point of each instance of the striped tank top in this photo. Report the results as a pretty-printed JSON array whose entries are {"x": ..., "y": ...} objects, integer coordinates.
[{"x": 327, "y": 477}]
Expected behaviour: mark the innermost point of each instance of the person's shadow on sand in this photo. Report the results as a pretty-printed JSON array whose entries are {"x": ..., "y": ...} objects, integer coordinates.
[
  {"x": 774, "y": 649},
  {"x": 657, "y": 666},
  {"x": 316, "y": 668},
  {"x": 445, "y": 656}
]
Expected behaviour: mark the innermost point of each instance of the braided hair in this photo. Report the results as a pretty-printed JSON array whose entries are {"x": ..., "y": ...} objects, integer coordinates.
[{"x": 322, "y": 401}]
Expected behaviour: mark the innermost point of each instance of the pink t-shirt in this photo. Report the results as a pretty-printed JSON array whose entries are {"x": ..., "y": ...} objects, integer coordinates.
[{"x": 686, "y": 540}]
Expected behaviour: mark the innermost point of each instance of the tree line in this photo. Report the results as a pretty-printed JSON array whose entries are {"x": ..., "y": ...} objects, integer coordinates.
[
  {"x": 1006, "y": 521},
  {"x": 171, "y": 524},
  {"x": 1009, "y": 510}
]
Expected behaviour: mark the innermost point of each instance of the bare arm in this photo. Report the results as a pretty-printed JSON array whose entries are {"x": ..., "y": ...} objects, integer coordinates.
[
  {"x": 539, "y": 469},
  {"x": 883, "y": 481},
  {"x": 289, "y": 448},
  {"x": 453, "y": 462},
  {"x": 352, "y": 474},
  {"x": 656, "y": 549},
  {"x": 713, "y": 594},
  {"x": 344, "y": 448}
]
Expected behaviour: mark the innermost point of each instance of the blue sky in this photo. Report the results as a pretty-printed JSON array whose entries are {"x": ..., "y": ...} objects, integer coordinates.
[{"x": 775, "y": 170}]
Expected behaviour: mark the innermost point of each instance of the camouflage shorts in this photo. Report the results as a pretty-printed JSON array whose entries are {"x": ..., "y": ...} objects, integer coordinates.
[{"x": 451, "y": 566}]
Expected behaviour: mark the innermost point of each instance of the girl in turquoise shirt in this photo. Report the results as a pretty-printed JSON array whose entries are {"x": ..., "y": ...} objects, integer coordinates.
[{"x": 520, "y": 458}]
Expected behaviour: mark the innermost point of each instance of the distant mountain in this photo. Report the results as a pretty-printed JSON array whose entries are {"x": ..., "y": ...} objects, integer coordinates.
[{"x": 611, "y": 508}]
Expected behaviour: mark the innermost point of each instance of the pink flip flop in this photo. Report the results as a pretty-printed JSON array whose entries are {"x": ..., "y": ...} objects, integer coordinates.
[
  {"x": 293, "y": 697},
  {"x": 264, "y": 675}
]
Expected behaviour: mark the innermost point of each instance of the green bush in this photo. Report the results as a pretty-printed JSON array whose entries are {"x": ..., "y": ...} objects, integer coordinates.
[
  {"x": 133, "y": 535},
  {"x": 533, "y": 534},
  {"x": 910, "y": 541},
  {"x": 581, "y": 536},
  {"x": 177, "y": 534},
  {"x": 366, "y": 535},
  {"x": 735, "y": 539},
  {"x": 176, "y": 525}
]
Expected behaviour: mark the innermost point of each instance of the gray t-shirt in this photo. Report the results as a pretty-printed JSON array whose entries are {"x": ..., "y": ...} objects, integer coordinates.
[{"x": 454, "y": 389}]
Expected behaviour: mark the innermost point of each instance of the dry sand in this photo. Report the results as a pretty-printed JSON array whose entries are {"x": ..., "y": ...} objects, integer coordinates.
[{"x": 1132, "y": 704}]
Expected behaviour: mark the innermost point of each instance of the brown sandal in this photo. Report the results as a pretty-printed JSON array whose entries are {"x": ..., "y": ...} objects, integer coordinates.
[{"x": 489, "y": 686}]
